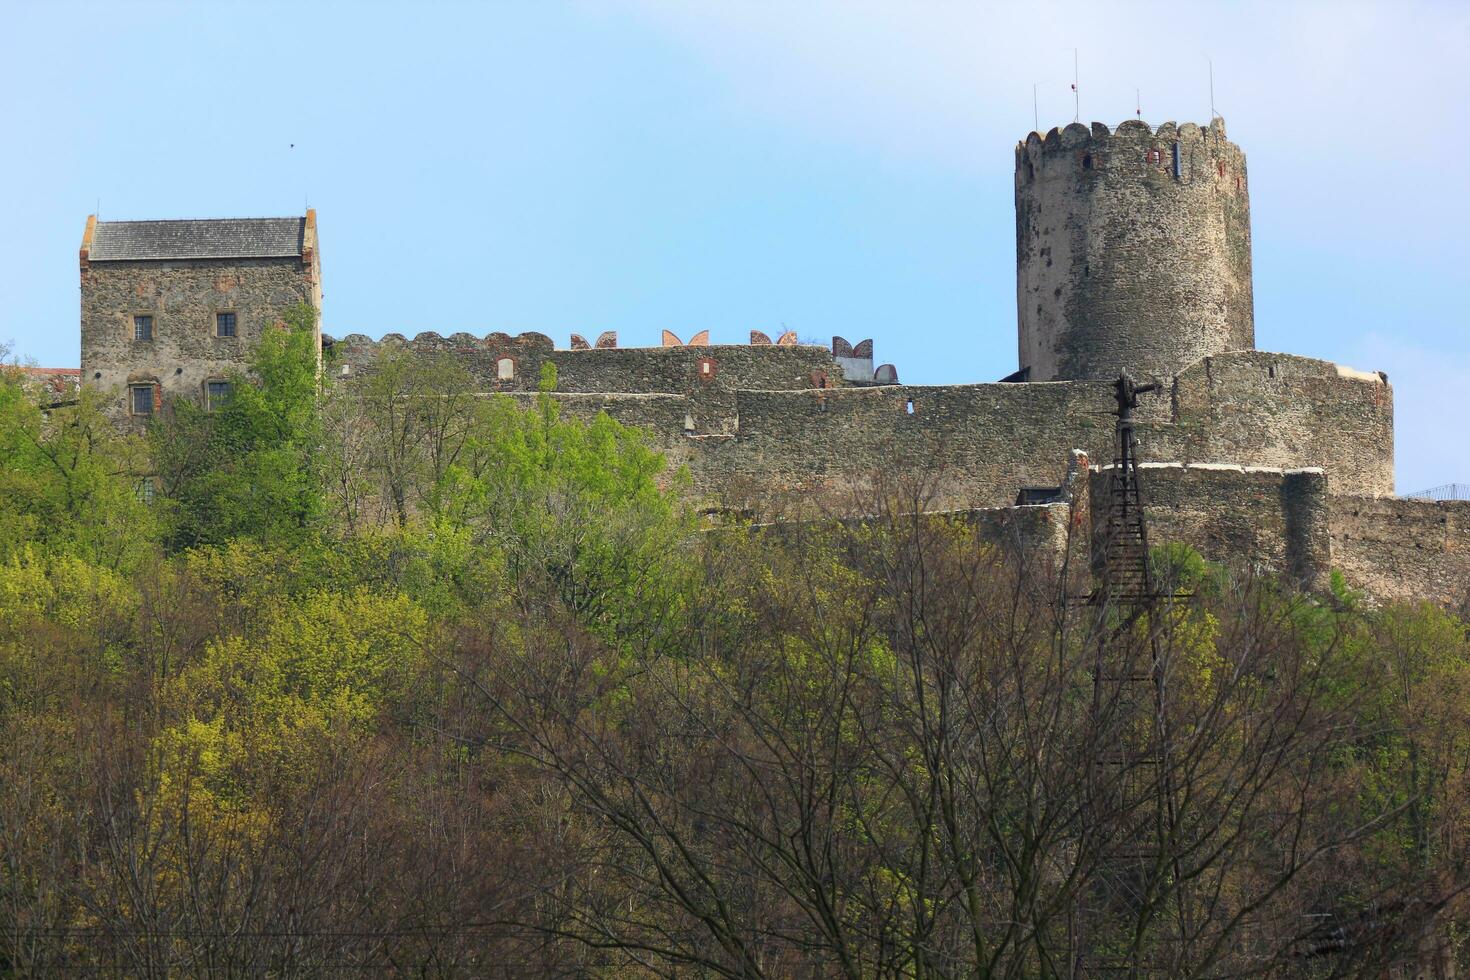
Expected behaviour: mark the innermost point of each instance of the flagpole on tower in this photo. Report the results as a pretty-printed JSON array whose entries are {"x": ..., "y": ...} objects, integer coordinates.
[
  {"x": 1212, "y": 90},
  {"x": 1137, "y": 104},
  {"x": 1035, "y": 113},
  {"x": 1077, "y": 98}
]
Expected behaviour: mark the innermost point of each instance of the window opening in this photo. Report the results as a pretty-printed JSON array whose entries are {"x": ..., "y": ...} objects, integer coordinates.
[
  {"x": 224, "y": 324},
  {"x": 217, "y": 393},
  {"x": 505, "y": 369},
  {"x": 142, "y": 396},
  {"x": 909, "y": 406},
  {"x": 1178, "y": 163},
  {"x": 142, "y": 328}
]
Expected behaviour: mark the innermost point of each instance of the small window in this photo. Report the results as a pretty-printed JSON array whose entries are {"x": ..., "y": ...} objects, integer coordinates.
[
  {"x": 142, "y": 328},
  {"x": 1087, "y": 162},
  {"x": 217, "y": 393},
  {"x": 224, "y": 324},
  {"x": 142, "y": 399},
  {"x": 505, "y": 368},
  {"x": 909, "y": 406}
]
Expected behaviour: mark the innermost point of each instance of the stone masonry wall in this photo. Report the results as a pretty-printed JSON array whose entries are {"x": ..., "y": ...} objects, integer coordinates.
[
  {"x": 979, "y": 444},
  {"x": 638, "y": 370},
  {"x": 1264, "y": 409},
  {"x": 1276, "y": 520},
  {"x": 1126, "y": 258},
  {"x": 1394, "y": 548},
  {"x": 183, "y": 298}
]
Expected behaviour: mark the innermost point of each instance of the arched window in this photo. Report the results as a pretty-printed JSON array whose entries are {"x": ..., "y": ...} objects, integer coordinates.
[{"x": 505, "y": 368}]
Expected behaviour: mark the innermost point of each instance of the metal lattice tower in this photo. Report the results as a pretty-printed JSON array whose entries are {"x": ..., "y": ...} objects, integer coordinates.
[{"x": 1132, "y": 784}]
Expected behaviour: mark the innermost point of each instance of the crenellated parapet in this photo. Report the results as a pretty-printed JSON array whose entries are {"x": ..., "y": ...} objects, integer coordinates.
[
  {"x": 1132, "y": 249},
  {"x": 505, "y": 362},
  {"x": 1074, "y": 143}
]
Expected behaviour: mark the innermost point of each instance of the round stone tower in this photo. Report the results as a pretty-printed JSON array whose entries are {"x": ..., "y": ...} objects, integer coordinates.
[{"x": 1133, "y": 250}]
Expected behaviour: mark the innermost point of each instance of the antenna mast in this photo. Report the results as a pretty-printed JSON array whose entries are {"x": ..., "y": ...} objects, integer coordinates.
[
  {"x": 1137, "y": 104},
  {"x": 1035, "y": 114},
  {"x": 1077, "y": 98},
  {"x": 1212, "y": 90}
]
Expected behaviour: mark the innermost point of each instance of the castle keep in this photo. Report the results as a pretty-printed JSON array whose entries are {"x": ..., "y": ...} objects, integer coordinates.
[{"x": 1133, "y": 252}]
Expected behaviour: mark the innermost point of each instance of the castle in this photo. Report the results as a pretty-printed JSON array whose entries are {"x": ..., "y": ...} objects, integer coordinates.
[{"x": 1133, "y": 252}]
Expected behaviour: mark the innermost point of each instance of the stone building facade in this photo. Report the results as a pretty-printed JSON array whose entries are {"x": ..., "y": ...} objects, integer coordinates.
[
  {"x": 172, "y": 308},
  {"x": 1133, "y": 252}
]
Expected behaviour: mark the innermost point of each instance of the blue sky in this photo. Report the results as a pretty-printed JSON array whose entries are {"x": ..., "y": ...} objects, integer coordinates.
[{"x": 836, "y": 168}]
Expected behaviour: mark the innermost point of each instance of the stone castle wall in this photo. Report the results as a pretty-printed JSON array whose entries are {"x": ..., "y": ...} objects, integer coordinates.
[
  {"x": 635, "y": 370},
  {"x": 1132, "y": 250},
  {"x": 1275, "y": 520},
  {"x": 183, "y": 298},
  {"x": 1296, "y": 523},
  {"x": 980, "y": 443},
  {"x": 1395, "y": 548}
]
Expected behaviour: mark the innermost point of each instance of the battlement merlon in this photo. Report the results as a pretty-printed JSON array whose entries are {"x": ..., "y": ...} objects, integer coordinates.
[
  {"x": 503, "y": 362},
  {"x": 1128, "y": 135}
]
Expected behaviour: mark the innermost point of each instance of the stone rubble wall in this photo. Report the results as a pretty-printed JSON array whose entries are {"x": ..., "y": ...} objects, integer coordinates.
[
  {"x": 980, "y": 443},
  {"x": 183, "y": 298},
  {"x": 633, "y": 370},
  {"x": 1395, "y": 548},
  {"x": 1125, "y": 259},
  {"x": 1246, "y": 517}
]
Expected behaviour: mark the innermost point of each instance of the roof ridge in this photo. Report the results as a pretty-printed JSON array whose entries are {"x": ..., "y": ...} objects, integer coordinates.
[{"x": 166, "y": 221}]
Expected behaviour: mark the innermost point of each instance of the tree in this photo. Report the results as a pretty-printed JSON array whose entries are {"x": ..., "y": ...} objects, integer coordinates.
[
  {"x": 69, "y": 482},
  {"x": 249, "y": 467}
]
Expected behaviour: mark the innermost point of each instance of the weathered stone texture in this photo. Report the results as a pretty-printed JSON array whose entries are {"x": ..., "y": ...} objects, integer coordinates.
[
  {"x": 183, "y": 298},
  {"x": 637, "y": 370},
  {"x": 1262, "y": 409},
  {"x": 980, "y": 443},
  {"x": 1269, "y": 519},
  {"x": 1395, "y": 548},
  {"x": 1125, "y": 259}
]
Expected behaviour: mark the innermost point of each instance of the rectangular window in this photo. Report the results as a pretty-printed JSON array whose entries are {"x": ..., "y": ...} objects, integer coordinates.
[
  {"x": 142, "y": 396},
  {"x": 218, "y": 393},
  {"x": 142, "y": 328},
  {"x": 224, "y": 324}
]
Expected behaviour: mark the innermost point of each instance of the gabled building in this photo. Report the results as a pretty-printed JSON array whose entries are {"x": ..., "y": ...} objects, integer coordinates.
[{"x": 172, "y": 308}]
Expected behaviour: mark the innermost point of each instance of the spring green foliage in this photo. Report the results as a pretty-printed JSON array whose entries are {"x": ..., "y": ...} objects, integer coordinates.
[
  {"x": 248, "y": 468},
  {"x": 397, "y": 676},
  {"x": 66, "y": 479}
]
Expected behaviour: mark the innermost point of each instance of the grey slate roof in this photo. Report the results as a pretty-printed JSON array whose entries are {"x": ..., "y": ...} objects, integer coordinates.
[{"x": 197, "y": 238}]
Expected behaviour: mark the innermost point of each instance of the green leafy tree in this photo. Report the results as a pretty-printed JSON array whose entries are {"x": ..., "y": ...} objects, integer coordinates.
[
  {"x": 248, "y": 467},
  {"x": 69, "y": 481},
  {"x": 577, "y": 510}
]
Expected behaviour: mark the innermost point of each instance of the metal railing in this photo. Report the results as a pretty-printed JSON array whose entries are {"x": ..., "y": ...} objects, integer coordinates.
[{"x": 1449, "y": 491}]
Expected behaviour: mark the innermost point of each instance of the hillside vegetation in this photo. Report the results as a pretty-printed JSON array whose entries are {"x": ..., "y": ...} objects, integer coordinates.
[{"x": 396, "y": 677}]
